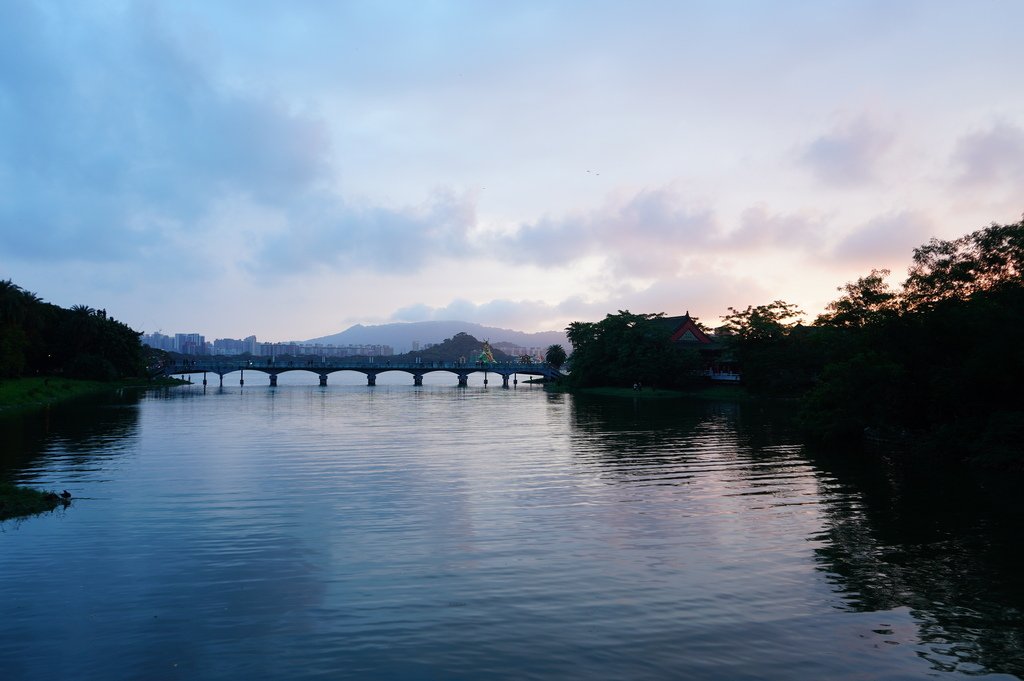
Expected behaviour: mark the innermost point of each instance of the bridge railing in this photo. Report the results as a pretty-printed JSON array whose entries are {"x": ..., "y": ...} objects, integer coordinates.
[{"x": 189, "y": 366}]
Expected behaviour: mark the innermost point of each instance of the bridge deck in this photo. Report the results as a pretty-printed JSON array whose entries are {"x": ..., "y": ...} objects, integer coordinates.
[{"x": 369, "y": 368}]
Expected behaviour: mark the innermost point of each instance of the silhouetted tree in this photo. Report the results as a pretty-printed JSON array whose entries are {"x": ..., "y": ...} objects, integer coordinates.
[
  {"x": 869, "y": 300},
  {"x": 938, "y": 363},
  {"x": 626, "y": 348},
  {"x": 41, "y": 338},
  {"x": 555, "y": 356},
  {"x": 764, "y": 322},
  {"x": 776, "y": 353},
  {"x": 980, "y": 261}
]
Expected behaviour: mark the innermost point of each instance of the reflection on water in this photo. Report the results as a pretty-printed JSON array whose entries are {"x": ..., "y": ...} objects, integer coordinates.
[
  {"x": 399, "y": 532},
  {"x": 941, "y": 543},
  {"x": 98, "y": 426}
]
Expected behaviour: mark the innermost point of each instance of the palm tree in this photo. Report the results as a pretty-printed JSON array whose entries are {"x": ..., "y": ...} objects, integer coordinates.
[
  {"x": 19, "y": 310},
  {"x": 555, "y": 356},
  {"x": 15, "y": 302}
]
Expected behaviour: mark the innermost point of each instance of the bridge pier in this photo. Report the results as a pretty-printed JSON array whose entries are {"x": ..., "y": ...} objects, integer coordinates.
[{"x": 507, "y": 371}]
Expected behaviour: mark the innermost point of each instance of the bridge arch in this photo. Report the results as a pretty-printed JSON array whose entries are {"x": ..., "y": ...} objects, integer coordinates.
[{"x": 369, "y": 369}]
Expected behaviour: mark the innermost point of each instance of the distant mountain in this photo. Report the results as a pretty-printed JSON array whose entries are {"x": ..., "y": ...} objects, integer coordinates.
[{"x": 400, "y": 336}]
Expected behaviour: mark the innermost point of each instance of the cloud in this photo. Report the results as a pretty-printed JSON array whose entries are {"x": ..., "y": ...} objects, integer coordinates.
[
  {"x": 849, "y": 154},
  {"x": 993, "y": 155},
  {"x": 129, "y": 148},
  {"x": 418, "y": 312},
  {"x": 328, "y": 231},
  {"x": 646, "y": 234},
  {"x": 705, "y": 294},
  {"x": 119, "y": 137},
  {"x": 500, "y": 312},
  {"x": 884, "y": 241},
  {"x": 285, "y": 154},
  {"x": 656, "y": 233},
  {"x": 760, "y": 228}
]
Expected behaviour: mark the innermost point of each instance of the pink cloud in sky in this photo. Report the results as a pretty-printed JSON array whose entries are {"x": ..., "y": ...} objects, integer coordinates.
[
  {"x": 989, "y": 156},
  {"x": 886, "y": 241},
  {"x": 850, "y": 154}
]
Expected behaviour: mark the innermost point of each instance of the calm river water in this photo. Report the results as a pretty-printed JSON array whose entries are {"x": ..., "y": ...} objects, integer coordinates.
[{"x": 433, "y": 532}]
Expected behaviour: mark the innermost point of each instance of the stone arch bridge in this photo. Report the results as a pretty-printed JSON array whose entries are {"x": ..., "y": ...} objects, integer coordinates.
[{"x": 325, "y": 366}]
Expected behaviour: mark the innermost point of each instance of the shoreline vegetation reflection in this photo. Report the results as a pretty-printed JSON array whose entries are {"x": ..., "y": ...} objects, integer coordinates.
[
  {"x": 935, "y": 557},
  {"x": 940, "y": 542}
]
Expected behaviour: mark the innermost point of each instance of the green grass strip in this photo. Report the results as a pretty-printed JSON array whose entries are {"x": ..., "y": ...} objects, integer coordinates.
[
  {"x": 17, "y": 502},
  {"x": 18, "y": 394}
]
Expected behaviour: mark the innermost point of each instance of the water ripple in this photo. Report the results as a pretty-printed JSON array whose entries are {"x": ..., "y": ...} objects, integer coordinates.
[{"x": 346, "y": 532}]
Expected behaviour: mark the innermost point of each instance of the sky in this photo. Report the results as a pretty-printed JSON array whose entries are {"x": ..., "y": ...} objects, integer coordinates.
[{"x": 288, "y": 169}]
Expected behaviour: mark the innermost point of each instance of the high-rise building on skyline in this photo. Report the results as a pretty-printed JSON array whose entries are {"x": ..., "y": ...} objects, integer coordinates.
[{"x": 190, "y": 343}]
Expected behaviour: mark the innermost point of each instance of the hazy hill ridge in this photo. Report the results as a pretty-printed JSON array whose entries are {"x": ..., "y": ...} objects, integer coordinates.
[{"x": 400, "y": 336}]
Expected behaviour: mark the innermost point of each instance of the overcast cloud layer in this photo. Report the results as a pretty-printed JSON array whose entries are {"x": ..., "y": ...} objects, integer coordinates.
[{"x": 288, "y": 169}]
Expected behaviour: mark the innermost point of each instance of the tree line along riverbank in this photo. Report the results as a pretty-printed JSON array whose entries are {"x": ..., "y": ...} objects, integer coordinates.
[
  {"x": 932, "y": 366},
  {"x": 51, "y": 354}
]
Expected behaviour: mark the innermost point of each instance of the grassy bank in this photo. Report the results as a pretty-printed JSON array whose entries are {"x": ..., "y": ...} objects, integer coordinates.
[
  {"x": 16, "y": 502},
  {"x": 20, "y": 394},
  {"x": 712, "y": 392}
]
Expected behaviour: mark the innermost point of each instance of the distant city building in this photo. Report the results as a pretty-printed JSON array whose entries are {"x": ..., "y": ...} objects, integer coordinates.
[
  {"x": 195, "y": 344},
  {"x": 190, "y": 343},
  {"x": 158, "y": 340},
  {"x": 185, "y": 343},
  {"x": 229, "y": 346},
  {"x": 317, "y": 350}
]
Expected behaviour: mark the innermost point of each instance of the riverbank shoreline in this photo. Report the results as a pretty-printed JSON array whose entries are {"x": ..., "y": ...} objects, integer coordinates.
[
  {"x": 20, "y": 502},
  {"x": 731, "y": 393},
  {"x": 24, "y": 395},
  {"x": 18, "y": 395}
]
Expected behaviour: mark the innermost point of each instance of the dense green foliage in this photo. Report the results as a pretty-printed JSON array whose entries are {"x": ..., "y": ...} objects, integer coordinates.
[
  {"x": 947, "y": 376},
  {"x": 555, "y": 355},
  {"x": 38, "y": 338},
  {"x": 625, "y": 349},
  {"x": 778, "y": 356},
  {"x": 936, "y": 364}
]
